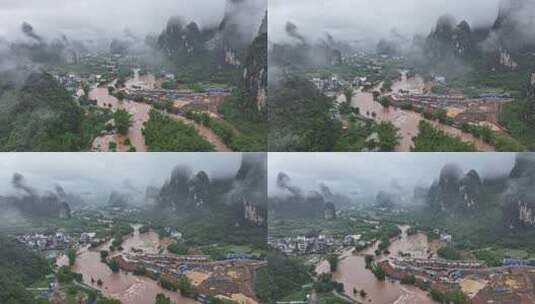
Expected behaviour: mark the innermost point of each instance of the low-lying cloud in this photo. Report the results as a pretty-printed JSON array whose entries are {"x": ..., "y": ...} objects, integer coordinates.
[
  {"x": 365, "y": 174},
  {"x": 364, "y": 22},
  {"x": 93, "y": 19}
]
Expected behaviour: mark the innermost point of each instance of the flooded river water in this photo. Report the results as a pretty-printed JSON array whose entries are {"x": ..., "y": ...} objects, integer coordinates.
[
  {"x": 352, "y": 273},
  {"x": 139, "y": 111},
  {"x": 140, "y": 114},
  {"x": 407, "y": 121},
  {"x": 122, "y": 285}
]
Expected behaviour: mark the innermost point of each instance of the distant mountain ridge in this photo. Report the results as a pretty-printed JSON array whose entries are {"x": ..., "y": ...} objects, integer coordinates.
[
  {"x": 187, "y": 193},
  {"x": 455, "y": 191},
  {"x": 467, "y": 195},
  {"x": 502, "y": 45},
  {"x": 228, "y": 41}
]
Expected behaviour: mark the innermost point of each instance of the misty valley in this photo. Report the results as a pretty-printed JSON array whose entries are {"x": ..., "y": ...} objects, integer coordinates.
[
  {"x": 187, "y": 87},
  {"x": 447, "y": 86},
  {"x": 267, "y": 228},
  {"x": 442, "y": 228},
  {"x": 197, "y": 237},
  {"x": 193, "y": 152}
]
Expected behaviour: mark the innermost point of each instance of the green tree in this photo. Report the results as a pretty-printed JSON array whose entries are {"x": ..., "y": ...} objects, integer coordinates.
[
  {"x": 307, "y": 123},
  {"x": 24, "y": 127},
  {"x": 449, "y": 253},
  {"x": 185, "y": 286},
  {"x": 86, "y": 89},
  {"x": 120, "y": 95},
  {"x": 20, "y": 267},
  {"x": 123, "y": 121},
  {"x": 430, "y": 139},
  {"x": 348, "y": 93},
  {"x": 196, "y": 87},
  {"x": 168, "y": 284},
  {"x": 107, "y": 301},
  {"x": 103, "y": 255},
  {"x": 114, "y": 265},
  {"x": 65, "y": 275},
  {"x": 379, "y": 273},
  {"x": 162, "y": 299},
  {"x": 385, "y": 101},
  {"x": 71, "y": 254},
  {"x": 281, "y": 277},
  {"x": 333, "y": 262},
  {"x": 164, "y": 134},
  {"x": 388, "y": 136},
  {"x": 408, "y": 280},
  {"x": 178, "y": 248}
]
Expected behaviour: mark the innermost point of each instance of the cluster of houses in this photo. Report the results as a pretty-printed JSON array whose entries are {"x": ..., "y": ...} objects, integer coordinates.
[
  {"x": 438, "y": 263},
  {"x": 354, "y": 240},
  {"x": 518, "y": 263},
  {"x": 321, "y": 244},
  {"x": 108, "y": 67},
  {"x": 370, "y": 61},
  {"x": 55, "y": 241},
  {"x": 334, "y": 83},
  {"x": 443, "y": 235},
  {"x": 360, "y": 81},
  {"x": 39, "y": 241},
  {"x": 70, "y": 82},
  {"x": 158, "y": 264},
  {"x": 302, "y": 245},
  {"x": 87, "y": 237},
  {"x": 331, "y": 83},
  {"x": 431, "y": 270}
]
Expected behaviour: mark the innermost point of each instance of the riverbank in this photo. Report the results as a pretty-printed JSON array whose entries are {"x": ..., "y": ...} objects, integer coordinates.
[
  {"x": 123, "y": 285},
  {"x": 352, "y": 272},
  {"x": 134, "y": 139},
  {"x": 406, "y": 121}
]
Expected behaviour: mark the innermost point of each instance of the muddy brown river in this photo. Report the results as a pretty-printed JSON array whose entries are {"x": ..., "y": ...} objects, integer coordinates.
[
  {"x": 406, "y": 121},
  {"x": 353, "y": 273},
  {"x": 139, "y": 111},
  {"x": 126, "y": 287},
  {"x": 140, "y": 114}
]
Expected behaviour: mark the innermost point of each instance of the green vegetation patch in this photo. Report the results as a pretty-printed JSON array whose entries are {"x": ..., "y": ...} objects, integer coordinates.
[
  {"x": 19, "y": 267},
  {"x": 245, "y": 130},
  {"x": 40, "y": 115},
  {"x": 429, "y": 139},
  {"x": 512, "y": 118},
  {"x": 165, "y": 134},
  {"x": 283, "y": 277}
]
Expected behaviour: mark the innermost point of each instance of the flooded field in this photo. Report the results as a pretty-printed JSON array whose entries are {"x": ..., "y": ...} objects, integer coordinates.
[
  {"x": 139, "y": 111},
  {"x": 140, "y": 115},
  {"x": 122, "y": 285},
  {"x": 407, "y": 121},
  {"x": 353, "y": 273}
]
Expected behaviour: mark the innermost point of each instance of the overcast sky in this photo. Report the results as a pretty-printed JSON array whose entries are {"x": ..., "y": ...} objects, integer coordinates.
[
  {"x": 354, "y": 20},
  {"x": 98, "y": 18},
  {"x": 351, "y": 173},
  {"x": 99, "y": 173}
]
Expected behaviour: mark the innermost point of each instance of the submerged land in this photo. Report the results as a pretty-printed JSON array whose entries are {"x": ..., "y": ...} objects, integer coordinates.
[
  {"x": 187, "y": 88},
  {"x": 459, "y": 88},
  {"x": 464, "y": 239},
  {"x": 196, "y": 239}
]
